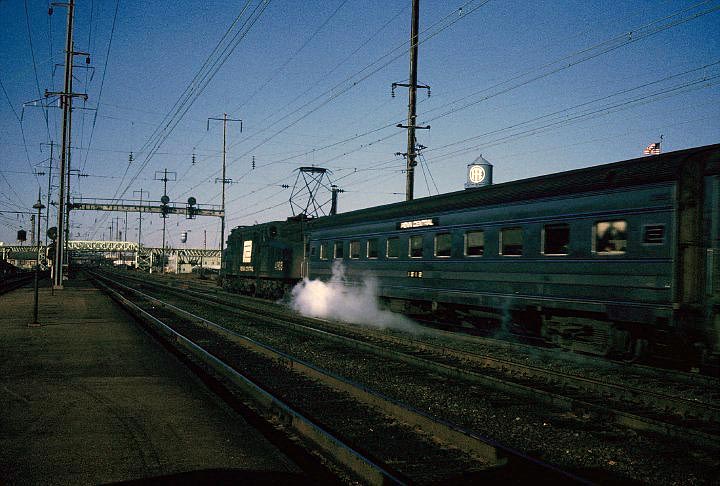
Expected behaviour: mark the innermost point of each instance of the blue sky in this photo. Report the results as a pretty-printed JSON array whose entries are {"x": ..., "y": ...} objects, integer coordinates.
[{"x": 536, "y": 87}]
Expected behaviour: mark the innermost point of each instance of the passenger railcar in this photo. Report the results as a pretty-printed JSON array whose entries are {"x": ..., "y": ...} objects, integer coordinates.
[{"x": 610, "y": 259}]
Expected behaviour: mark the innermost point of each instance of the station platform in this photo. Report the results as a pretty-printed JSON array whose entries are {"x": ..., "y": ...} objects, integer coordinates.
[{"x": 89, "y": 398}]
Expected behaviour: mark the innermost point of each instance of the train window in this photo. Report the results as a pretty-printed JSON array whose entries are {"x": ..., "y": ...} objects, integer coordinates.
[
  {"x": 443, "y": 244},
  {"x": 610, "y": 237},
  {"x": 654, "y": 234},
  {"x": 393, "y": 247},
  {"x": 312, "y": 250},
  {"x": 338, "y": 250},
  {"x": 247, "y": 251},
  {"x": 511, "y": 243},
  {"x": 324, "y": 251},
  {"x": 415, "y": 246},
  {"x": 474, "y": 243},
  {"x": 556, "y": 238},
  {"x": 372, "y": 248},
  {"x": 355, "y": 249}
]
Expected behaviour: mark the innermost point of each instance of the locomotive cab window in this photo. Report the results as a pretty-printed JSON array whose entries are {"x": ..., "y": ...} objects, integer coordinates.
[
  {"x": 654, "y": 234},
  {"x": 324, "y": 247},
  {"x": 355, "y": 249},
  {"x": 415, "y": 246},
  {"x": 338, "y": 250},
  {"x": 511, "y": 242},
  {"x": 474, "y": 243},
  {"x": 610, "y": 237},
  {"x": 372, "y": 248},
  {"x": 393, "y": 247},
  {"x": 247, "y": 251},
  {"x": 556, "y": 238},
  {"x": 443, "y": 245}
]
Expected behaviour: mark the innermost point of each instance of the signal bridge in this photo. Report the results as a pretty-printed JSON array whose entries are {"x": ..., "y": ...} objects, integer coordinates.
[{"x": 188, "y": 209}]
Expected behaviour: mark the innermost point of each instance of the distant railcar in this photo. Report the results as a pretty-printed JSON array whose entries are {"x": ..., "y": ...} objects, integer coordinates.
[{"x": 614, "y": 259}]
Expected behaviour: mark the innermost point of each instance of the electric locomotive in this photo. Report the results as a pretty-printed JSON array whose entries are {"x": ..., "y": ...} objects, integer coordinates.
[{"x": 264, "y": 260}]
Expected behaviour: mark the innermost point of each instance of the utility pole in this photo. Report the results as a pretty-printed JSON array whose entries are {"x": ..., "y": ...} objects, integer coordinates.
[
  {"x": 202, "y": 256},
  {"x": 412, "y": 86},
  {"x": 224, "y": 180},
  {"x": 164, "y": 200},
  {"x": 47, "y": 216},
  {"x": 66, "y": 97},
  {"x": 140, "y": 192},
  {"x": 32, "y": 231}
]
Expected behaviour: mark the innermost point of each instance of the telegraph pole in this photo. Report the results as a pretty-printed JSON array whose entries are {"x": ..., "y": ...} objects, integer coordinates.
[
  {"x": 412, "y": 86},
  {"x": 224, "y": 180}
]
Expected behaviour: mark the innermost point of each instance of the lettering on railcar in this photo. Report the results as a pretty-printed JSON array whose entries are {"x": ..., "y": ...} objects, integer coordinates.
[
  {"x": 414, "y": 274},
  {"x": 418, "y": 223},
  {"x": 246, "y": 268}
]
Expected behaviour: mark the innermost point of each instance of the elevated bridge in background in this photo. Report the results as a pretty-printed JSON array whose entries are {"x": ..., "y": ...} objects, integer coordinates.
[{"x": 143, "y": 257}]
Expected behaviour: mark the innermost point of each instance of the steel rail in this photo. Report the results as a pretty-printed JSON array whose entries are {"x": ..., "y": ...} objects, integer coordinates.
[
  {"x": 15, "y": 283},
  {"x": 485, "y": 448},
  {"x": 364, "y": 467},
  {"x": 562, "y": 401}
]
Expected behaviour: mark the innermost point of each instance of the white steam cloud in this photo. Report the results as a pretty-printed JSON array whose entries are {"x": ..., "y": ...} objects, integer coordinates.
[{"x": 341, "y": 300}]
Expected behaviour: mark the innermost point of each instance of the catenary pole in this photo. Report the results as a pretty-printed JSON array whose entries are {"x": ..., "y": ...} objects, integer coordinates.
[
  {"x": 412, "y": 99},
  {"x": 224, "y": 179},
  {"x": 66, "y": 99}
]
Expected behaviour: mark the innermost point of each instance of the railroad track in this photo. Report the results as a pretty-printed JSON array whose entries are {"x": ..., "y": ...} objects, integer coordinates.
[
  {"x": 10, "y": 284},
  {"x": 688, "y": 420},
  {"x": 384, "y": 440},
  {"x": 640, "y": 408}
]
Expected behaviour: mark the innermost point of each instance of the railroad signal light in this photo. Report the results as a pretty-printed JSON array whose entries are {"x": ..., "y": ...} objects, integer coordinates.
[
  {"x": 164, "y": 208},
  {"x": 191, "y": 209}
]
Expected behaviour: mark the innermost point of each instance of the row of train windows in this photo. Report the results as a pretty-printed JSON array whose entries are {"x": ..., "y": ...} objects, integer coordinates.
[{"x": 609, "y": 238}]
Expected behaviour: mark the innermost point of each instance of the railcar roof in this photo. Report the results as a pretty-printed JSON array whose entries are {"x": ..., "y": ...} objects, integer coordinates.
[{"x": 644, "y": 170}]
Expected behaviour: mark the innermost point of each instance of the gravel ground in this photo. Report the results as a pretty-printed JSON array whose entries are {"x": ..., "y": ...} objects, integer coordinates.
[{"x": 582, "y": 442}]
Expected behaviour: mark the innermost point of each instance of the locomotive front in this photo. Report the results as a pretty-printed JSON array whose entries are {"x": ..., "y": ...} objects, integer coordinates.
[{"x": 264, "y": 260}]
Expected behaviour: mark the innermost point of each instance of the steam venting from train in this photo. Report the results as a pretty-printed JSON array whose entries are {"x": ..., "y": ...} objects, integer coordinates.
[{"x": 343, "y": 300}]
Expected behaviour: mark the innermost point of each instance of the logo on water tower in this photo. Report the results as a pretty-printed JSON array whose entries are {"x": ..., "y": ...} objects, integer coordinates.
[{"x": 479, "y": 173}]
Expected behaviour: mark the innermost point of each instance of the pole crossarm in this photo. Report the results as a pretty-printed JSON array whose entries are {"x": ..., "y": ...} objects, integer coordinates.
[{"x": 152, "y": 207}]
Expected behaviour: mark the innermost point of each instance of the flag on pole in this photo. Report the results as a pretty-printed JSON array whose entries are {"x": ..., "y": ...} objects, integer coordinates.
[{"x": 652, "y": 149}]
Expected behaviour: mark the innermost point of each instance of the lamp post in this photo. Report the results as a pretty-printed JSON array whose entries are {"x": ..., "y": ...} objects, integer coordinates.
[{"x": 39, "y": 206}]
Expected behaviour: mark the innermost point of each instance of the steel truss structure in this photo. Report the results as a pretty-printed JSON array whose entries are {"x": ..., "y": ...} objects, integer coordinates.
[{"x": 144, "y": 259}]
